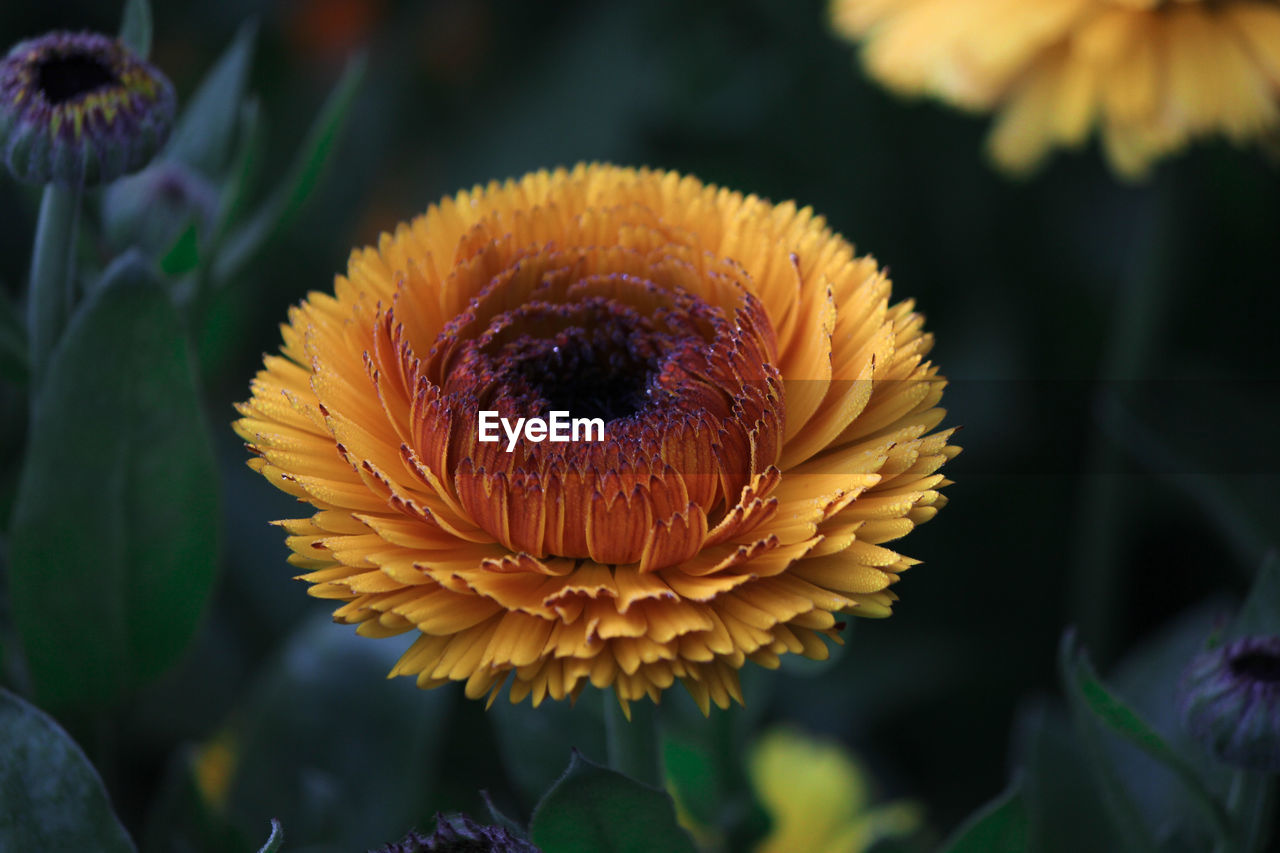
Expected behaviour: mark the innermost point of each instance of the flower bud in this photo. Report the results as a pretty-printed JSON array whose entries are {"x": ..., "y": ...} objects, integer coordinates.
[
  {"x": 80, "y": 109},
  {"x": 150, "y": 209},
  {"x": 1229, "y": 698}
]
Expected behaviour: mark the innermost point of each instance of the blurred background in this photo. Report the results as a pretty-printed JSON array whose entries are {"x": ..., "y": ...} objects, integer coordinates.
[{"x": 1119, "y": 518}]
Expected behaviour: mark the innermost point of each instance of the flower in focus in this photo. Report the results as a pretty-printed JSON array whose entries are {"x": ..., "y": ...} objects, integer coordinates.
[
  {"x": 458, "y": 833},
  {"x": 1150, "y": 75},
  {"x": 80, "y": 108},
  {"x": 818, "y": 798},
  {"x": 768, "y": 427},
  {"x": 1230, "y": 702}
]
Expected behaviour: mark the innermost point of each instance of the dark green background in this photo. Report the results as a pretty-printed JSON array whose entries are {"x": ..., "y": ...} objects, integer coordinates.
[{"x": 1020, "y": 280}]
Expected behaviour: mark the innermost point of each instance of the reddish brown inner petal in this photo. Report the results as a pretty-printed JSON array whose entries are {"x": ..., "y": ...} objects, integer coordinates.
[{"x": 677, "y": 362}]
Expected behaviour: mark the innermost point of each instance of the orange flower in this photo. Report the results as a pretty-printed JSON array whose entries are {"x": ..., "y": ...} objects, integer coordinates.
[
  {"x": 767, "y": 429},
  {"x": 1149, "y": 75}
]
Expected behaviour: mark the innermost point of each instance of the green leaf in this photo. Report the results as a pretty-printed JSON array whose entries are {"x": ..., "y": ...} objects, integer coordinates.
[
  {"x": 1261, "y": 611},
  {"x": 534, "y": 742},
  {"x": 279, "y": 211},
  {"x": 325, "y": 736},
  {"x": 1001, "y": 826},
  {"x": 135, "y": 28},
  {"x": 202, "y": 138},
  {"x": 52, "y": 797},
  {"x": 1092, "y": 702},
  {"x": 244, "y": 171},
  {"x": 184, "y": 255},
  {"x": 115, "y": 528},
  {"x": 275, "y": 839},
  {"x": 181, "y": 818},
  {"x": 592, "y": 809},
  {"x": 14, "y": 364}
]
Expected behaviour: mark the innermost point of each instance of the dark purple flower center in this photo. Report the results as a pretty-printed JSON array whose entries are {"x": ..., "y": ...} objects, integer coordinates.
[
  {"x": 62, "y": 77},
  {"x": 1257, "y": 665}
]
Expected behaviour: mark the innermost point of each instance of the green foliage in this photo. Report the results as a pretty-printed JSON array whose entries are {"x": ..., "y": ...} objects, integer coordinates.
[
  {"x": 115, "y": 529},
  {"x": 1093, "y": 703},
  {"x": 322, "y": 708},
  {"x": 50, "y": 796},
  {"x": 279, "y": 211},
  {"x": 533, "y": 742},
  {"x": 592, "y": 809},
  {"x": 1261, "y": 611},
  {"x": 135, "y": 28},
  {"x": 1001, "y": 826},
  {"x": 202, "y": 137},
  {"x": 13, "y": 342}
]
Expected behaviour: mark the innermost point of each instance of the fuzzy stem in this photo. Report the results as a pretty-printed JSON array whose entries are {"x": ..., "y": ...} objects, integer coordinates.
[
  {"x": 52, "y": 264},
  {"x": 635, "y": 748}
]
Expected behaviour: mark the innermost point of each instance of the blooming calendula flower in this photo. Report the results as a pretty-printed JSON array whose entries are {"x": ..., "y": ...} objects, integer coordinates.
[
  {"x": 768, "y": 427},
  {"x": 1150, "y": 75}
]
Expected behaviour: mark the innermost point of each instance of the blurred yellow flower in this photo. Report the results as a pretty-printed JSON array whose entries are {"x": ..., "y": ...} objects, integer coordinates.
[
  {"x": 1149, "y": 75},
  {"x": 818, "y": 798}
]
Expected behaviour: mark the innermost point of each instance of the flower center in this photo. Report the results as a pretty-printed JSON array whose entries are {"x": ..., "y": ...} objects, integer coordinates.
[
  {"x": 599, "y": 369},
  {"x": 64, "y": 77},
  {"x": 1257, "y": 665}
]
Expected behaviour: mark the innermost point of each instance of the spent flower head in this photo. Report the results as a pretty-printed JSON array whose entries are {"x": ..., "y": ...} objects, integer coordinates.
[{"x": 80, "y": 109}]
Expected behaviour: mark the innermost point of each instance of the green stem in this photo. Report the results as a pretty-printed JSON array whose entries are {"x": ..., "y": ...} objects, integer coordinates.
[
  {"x": 1250, "y": 803},
  {"x": 635, "y": 749},
  {"x": 52, "y": 265},
  {"x": 1101, "y": 517}
]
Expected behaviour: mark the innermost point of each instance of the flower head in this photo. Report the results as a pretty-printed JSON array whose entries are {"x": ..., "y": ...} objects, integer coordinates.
[
  {"x": 767, "y": 428},
  {"x": 1230, "y": 702},
  {"x": 818, "y": 798},
  {"x": 1149, "y": 75},
  {"x": 80, "y": 108}
]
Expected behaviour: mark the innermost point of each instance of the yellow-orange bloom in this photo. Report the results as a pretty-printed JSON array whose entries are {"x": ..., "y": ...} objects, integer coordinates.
[
  {"x": 1150, "y": 75},
  {"x": 768, "y": 430}
]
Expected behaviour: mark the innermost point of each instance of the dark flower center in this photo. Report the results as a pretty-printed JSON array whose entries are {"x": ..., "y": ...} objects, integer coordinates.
[
  {"x": 64, "y": 77},
  {"x": 597, "y": 372},
  {"x": 1257, "y": 665}
]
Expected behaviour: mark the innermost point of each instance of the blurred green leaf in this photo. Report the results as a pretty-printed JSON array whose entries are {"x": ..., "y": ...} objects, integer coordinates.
[
  {"x": 1261, "y": 611},
  {"x": 1091, "y": 702},
  {"x": 115, "y": 528},
  {"x": 279, "y": 211},
  {"x": 135, "y": 28},
  {"x": 342, "y": 756},
  {"x": 500, "y": 819},
  {"x": 202, "y": 138},
  {"x": 184, "y": 255},
  {"x": 1001, "y": 826},
  {"x": 595, "y": 810},
  {"x": 275, "y": 839},
  {"x": 181, "y": 820},
  {"x": 50, "y": 796},
  {"x": 1062, "y": 799},
  {"x": 244, "y": 171},
  {"x": 14, "y": 364},
  {"x": 536, "y": 742}
]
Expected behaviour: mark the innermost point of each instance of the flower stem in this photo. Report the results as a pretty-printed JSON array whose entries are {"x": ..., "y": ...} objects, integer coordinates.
[
  {"x": 1101, "y": 517},
  {"x": 635, "y": 749},
  {"x": 52, "y": 265}
]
